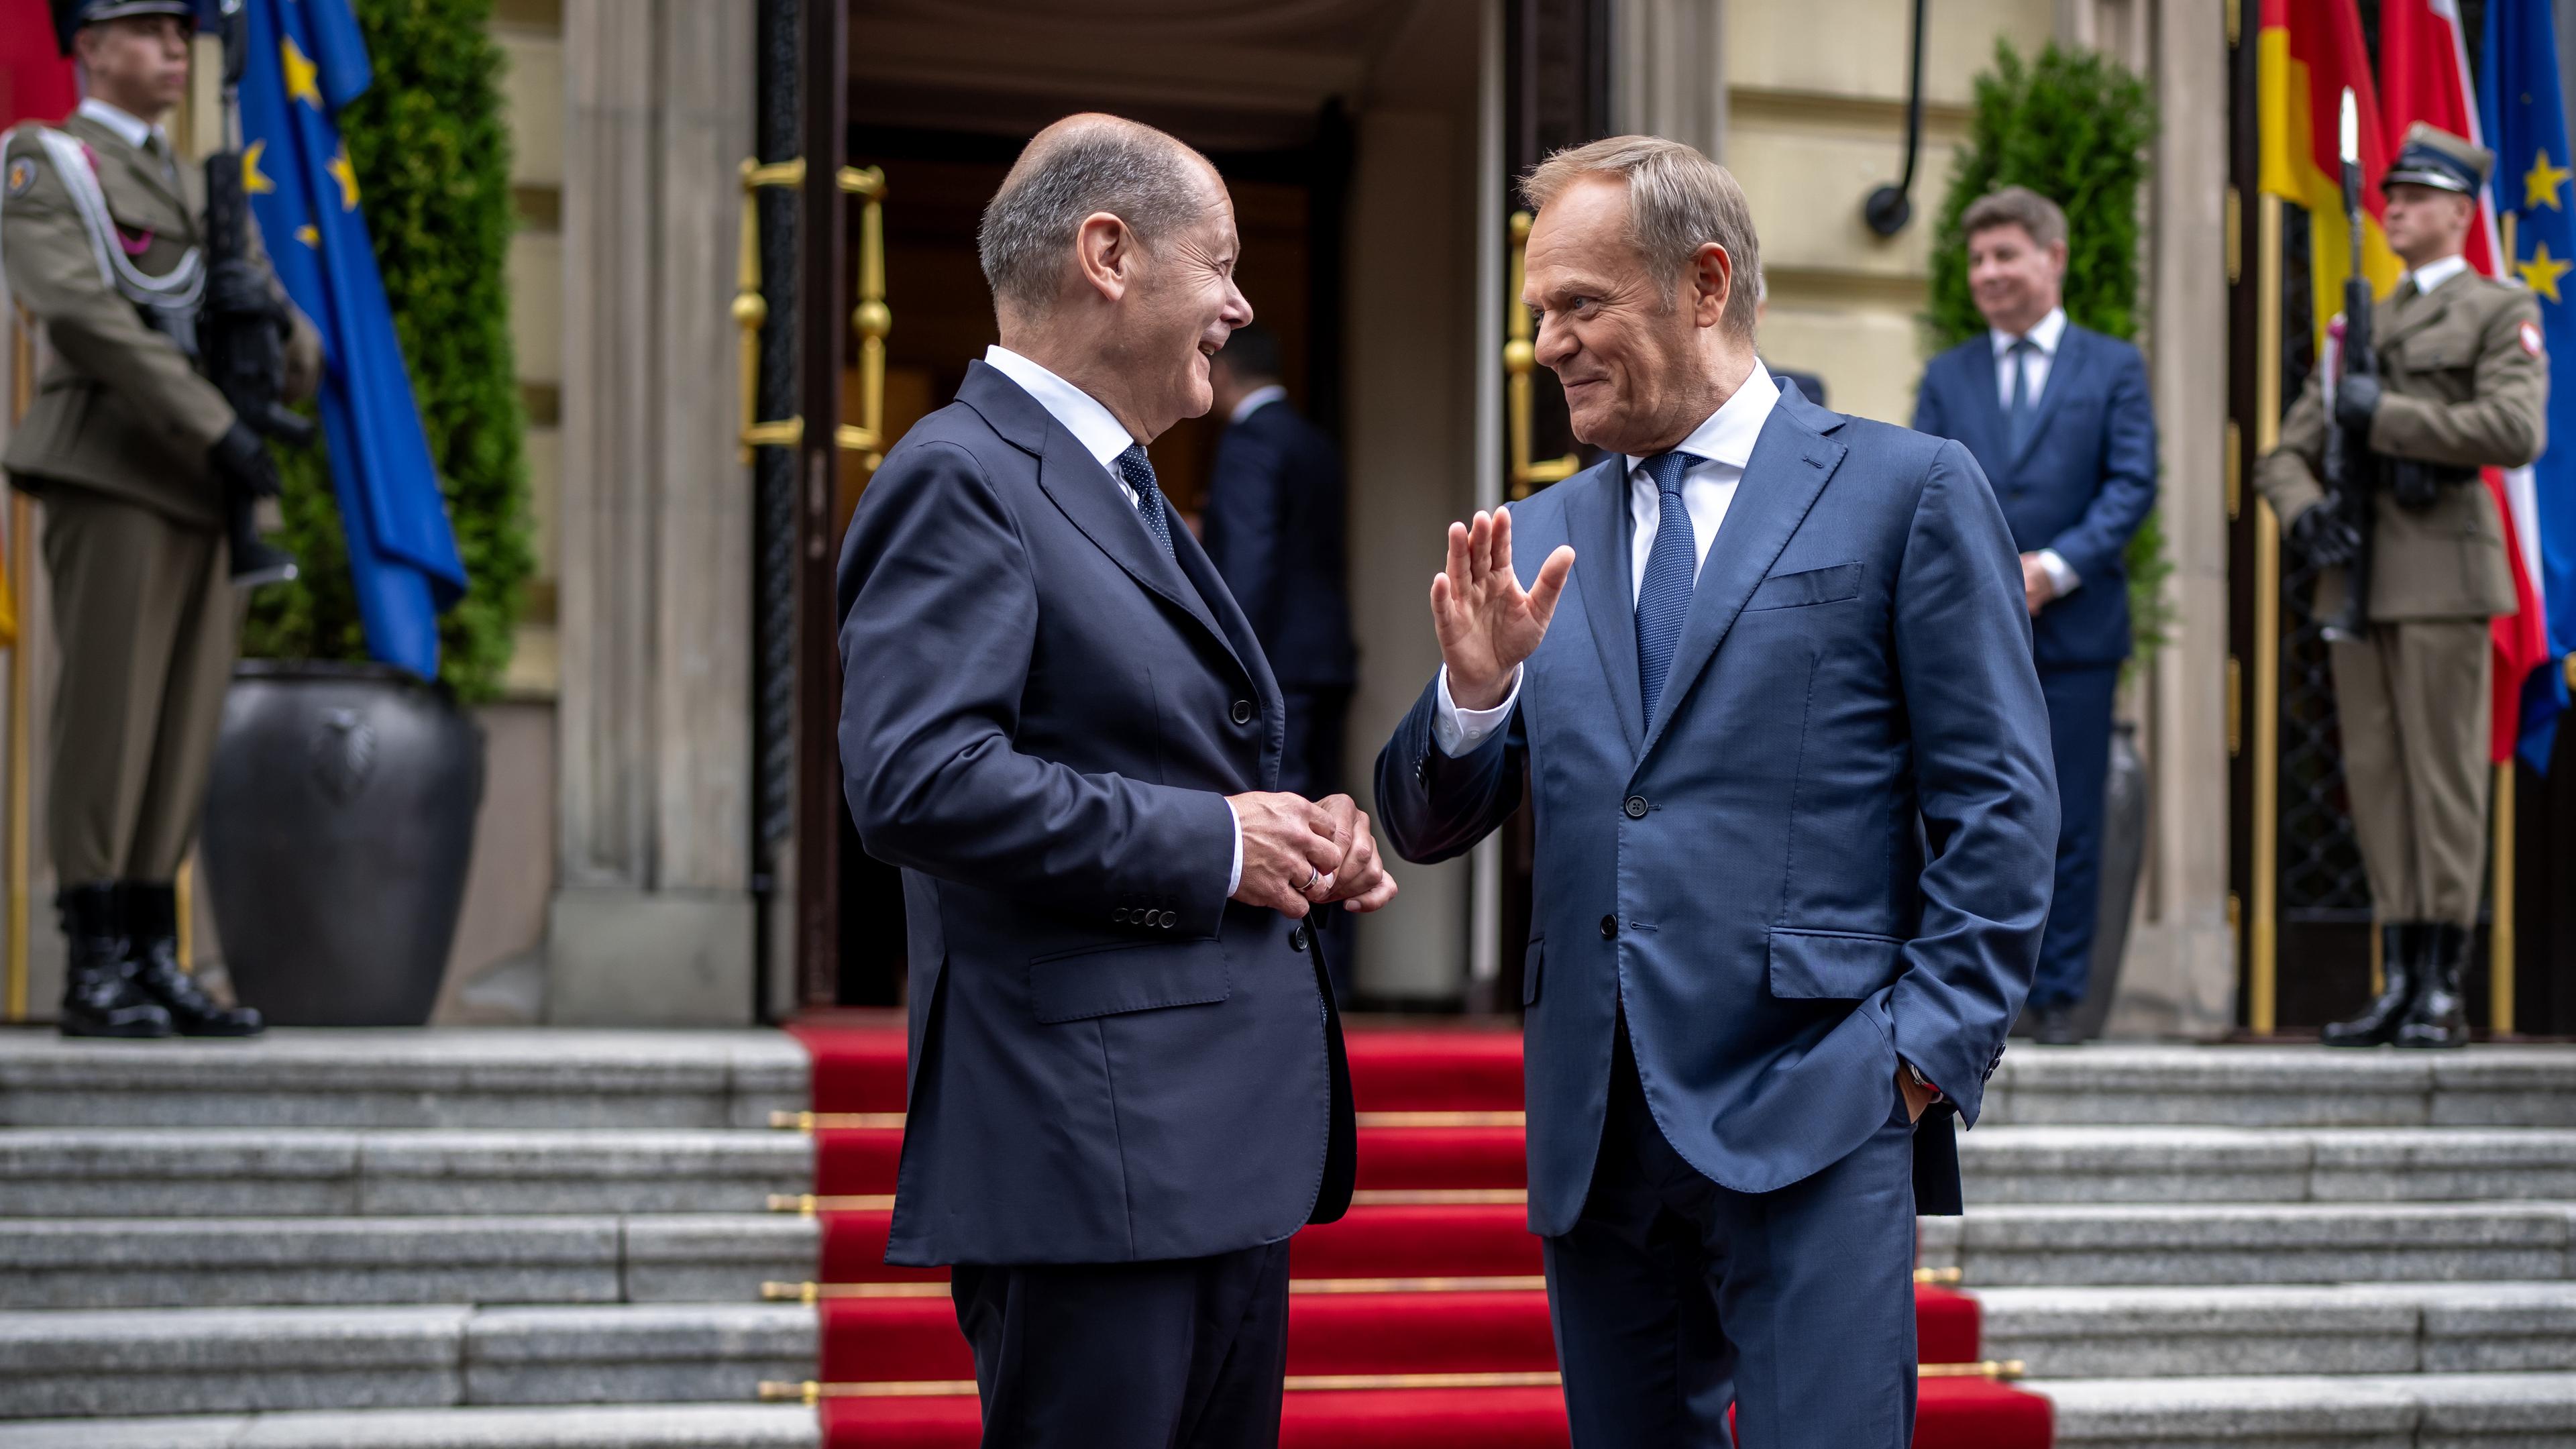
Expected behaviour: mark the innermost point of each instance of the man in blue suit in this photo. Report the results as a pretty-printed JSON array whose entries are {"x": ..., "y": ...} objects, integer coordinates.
[
  {"x": 1794, "y": 820},
  {"x": 1127, "y": 1083},
  {"x": 2058, "y": 416}
]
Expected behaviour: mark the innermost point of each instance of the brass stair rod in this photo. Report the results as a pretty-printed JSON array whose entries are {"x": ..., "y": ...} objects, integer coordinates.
[{"x": 871, "y": 319}]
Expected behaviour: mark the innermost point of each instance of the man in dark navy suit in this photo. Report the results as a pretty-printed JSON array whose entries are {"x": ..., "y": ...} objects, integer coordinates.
[
  {"x": 1127, "y": 1082},
  {"x": 2059, "y": 418},
  {"x": 1790, "y": 769}
]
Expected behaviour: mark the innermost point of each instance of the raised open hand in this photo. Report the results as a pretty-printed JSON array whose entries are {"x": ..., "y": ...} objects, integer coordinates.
[{"x": 1487, "y": 623}]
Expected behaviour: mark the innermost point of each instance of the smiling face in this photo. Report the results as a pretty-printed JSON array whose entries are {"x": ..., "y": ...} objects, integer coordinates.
[
  {"x": 2426, "y": 223},
  {"x": 2016, "y": 281},
  {"x": 1641, "y": 355},
  {"x": 138, "y": 64},
  {"x": 1180, "y": 305}
]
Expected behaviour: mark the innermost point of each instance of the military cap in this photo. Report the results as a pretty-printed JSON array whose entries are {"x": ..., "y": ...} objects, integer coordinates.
[
  {"x": 2436, "y": 158},
  {"x": 71, "y": 15}
]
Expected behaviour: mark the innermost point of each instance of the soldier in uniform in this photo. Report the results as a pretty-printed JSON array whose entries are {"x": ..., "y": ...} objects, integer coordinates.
[
  {"x": 131, "y": 450},
  {"x": 2462, "y": 386}
]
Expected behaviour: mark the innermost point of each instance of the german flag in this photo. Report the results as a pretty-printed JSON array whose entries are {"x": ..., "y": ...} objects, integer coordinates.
[{"x": 2310, "y": 50}]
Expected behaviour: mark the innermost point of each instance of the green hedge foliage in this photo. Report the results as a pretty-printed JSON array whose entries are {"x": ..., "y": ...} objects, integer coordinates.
[
  {"x": 433, "y": 161},
  {"x": 2075, "y": 127}
]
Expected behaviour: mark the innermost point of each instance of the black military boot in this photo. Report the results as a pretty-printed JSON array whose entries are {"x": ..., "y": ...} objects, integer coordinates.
[
  {"x": 152, "y": 947},
  {"x": 2439, "y": 1017},
  {"x": 100, "y": 997},
  {"x": 2400, "y": 949}
]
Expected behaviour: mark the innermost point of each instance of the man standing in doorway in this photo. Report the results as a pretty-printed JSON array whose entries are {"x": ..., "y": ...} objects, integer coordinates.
[
  {"x": 132, "y": 451},
  {"x": 2462, "y": 386},
  {"x": 2059, "y": 418}
]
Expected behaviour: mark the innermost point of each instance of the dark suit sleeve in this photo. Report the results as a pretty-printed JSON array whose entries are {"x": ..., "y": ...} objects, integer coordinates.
[
  {"x": 1246, "y": 504},
  {"x": 939, "y": 609},
  {"x": 1927, "y": 402},
  {"x": 2094, "y": 545},
  {"x": 1434, "y": 807},
  {"x": 1987, "y": 787}
]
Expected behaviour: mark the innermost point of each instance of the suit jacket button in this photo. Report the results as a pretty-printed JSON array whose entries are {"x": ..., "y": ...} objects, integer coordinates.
[
  {"x": 1609, "y": 928},
  {"x": 1170, "y": 918},
  {"x": 1297, "y": 937},
  {"x": 1636, "y": 807},
  {"x": 1120, "y": 915},
  {"x": 1243, "y": 711}
]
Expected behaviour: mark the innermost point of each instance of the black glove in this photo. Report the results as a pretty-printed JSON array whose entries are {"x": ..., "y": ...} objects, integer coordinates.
[
  {"x": 242, "y": 464},
  {"x": 2328, "y": 540},
  {"x": 2416, "y": 486},
  {"x": 2357, "y": 402}
]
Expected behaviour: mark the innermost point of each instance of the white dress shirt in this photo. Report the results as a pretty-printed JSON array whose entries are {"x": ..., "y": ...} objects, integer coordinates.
[
  {"x": 2044, "y": 339},
  {"x": 136, "y": 131},
  {"x": 1255, "y": 400},
  {"x": 1104, "y": 437},
  {"x": 1723, "y": 445},
  {"x": 2434, "y": 274}
]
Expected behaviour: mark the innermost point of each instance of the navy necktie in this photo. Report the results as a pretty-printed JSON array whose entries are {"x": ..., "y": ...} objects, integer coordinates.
[
  {"x": 2018, "y": 409},
  {"x": 1139, "y": 473},
  {"x": 1663, "y": 600}
]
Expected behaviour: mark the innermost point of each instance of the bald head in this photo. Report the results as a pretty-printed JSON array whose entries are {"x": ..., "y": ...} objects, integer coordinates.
[{"x": 1083, "y": 166}]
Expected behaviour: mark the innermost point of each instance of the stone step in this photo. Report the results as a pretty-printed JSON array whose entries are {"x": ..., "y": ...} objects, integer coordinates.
[
  {"x": 258, "y": 1360},
  {"x": 443, "y": 1077},
  {"x": 2372, "y": 1328},
  {"x": 2095, "y": 1164},
  {"x": 2151, "y": 1245},
  {"x": 659, "y": 1426},
  {"x": 2110, "y": 1083},
  {"x": 2329, "y": 1411},
  {"x": 248, "y": 1262},
  {"x": 279, "y": 1172}
]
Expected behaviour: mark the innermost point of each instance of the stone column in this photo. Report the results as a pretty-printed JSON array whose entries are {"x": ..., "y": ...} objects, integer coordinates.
[
  {"x": 1666, "y": 69},
  {"x": 2180, "y": 976},
  {"x": 652, "y": 917}
]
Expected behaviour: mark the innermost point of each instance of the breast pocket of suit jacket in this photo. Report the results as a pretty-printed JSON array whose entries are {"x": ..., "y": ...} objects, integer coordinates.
[{"x": 1121, "y": 977}]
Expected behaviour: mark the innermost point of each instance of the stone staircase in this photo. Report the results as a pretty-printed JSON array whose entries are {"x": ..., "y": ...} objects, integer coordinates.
[
  {"x": 2281, "y": 1247},
  {"x": 401, "y": 1240},
  {"x": 557, "y": 1240}
]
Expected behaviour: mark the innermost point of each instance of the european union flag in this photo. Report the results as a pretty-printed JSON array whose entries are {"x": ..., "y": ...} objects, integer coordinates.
[
  {"x": 308, "y": 61},
  {"x": 2525, "y": 118}
]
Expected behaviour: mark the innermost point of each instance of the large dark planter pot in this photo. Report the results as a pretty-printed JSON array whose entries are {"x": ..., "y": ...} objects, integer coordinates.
[
  {"x": 339, "y": 826},
  {"x": 2124, "y": 854}
]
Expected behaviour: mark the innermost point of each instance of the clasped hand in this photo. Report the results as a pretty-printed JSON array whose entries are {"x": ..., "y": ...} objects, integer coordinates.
[
  {"x": 1300, "y": 853},
  {"x": 1487, "y": 623}
]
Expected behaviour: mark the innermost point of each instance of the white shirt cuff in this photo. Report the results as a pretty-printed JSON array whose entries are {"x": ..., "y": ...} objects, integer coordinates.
[
  {"x": 2060, "y": 576},
  {"x": 1457, "y": 731},
  {"x": 1234, "y": 875}
]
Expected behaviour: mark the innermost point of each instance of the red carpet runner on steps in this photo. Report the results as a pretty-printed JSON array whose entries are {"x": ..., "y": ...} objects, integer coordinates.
[{"x": 1418, "y": 1321}]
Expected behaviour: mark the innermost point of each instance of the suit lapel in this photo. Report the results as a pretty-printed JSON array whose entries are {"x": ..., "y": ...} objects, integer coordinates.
[
  {"x": 1790, "y": 464},
  {"x": 1985, "y": 403},
  {"x": 2072, "y": 353},
  {"x": 2414, "y": 317},
  {"x": 167, "y": 210},
  {"x": 1596, "y": 517}
]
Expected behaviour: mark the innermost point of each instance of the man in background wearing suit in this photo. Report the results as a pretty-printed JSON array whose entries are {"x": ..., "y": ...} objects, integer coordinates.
[
  {"x": 2058, "y": 416},
  {"x": 1790, "y": 646},
  {"x": 1274, "y": 532},
  {"x": 1127, "y": 1083}
]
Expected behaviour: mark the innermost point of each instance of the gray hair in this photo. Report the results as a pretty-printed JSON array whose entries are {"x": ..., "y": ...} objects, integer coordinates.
[
  {"x": 1678, "y": 202},
  {"x": 2016, "y": 206},
  {"x": 1143, "y": 177}
]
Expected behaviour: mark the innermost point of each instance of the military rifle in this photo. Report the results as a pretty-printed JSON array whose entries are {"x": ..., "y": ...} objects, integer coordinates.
[
  {"x": 243, "y": 327},
  {"x": 2351, "y": 468}
]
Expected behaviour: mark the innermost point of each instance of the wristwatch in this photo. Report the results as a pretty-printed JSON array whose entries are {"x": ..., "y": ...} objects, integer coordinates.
[{"x": 1921, "y": 1080}]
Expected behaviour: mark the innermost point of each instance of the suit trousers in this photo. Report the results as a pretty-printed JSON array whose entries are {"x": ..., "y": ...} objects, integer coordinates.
[
  {"x": 2411, "y": 700},
  {"x": 1673, "y": 1295},
  {"x": 148, "y": 623},
  {"x": 1185, "y": 1354},
  {"x": 2079, "y": 732}
]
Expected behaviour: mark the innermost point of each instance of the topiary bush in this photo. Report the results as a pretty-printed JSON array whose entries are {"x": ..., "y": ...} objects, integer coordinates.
[
  {"x": 432, "y": 156},
  {"x": 2073, "y": 126}
]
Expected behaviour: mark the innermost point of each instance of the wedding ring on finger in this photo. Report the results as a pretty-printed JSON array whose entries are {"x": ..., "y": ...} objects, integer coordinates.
[{"x": 1314, "y": 873}]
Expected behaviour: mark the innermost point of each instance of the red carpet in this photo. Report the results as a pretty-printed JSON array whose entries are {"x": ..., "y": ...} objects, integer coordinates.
[{"x": 1471, "y": 1342}]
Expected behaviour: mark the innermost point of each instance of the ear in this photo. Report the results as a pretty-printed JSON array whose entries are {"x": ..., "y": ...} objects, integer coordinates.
[
  {"x": 1712, "y": 283},
  {"x": 2057, "y": 256},
  {"x": 1105, "y": 251}
]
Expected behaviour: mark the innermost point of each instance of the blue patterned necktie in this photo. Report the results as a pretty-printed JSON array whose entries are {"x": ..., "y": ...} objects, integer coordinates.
[
  {"x": 1663, "y": 600},
  {"x": 2018, "y": 409},
  {"x": 1139, "y": 473}
]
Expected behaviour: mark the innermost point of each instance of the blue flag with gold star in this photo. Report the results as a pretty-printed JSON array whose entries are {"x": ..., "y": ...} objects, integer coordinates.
[
  {"x": 2523, "y": 111},
  {"x": 308, "y": 61}
]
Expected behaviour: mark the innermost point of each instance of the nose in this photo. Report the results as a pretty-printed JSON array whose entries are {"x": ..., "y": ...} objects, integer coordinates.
[
  {"x": 1238, "y": 307},
  {"x": 1555, "y": 341}
]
